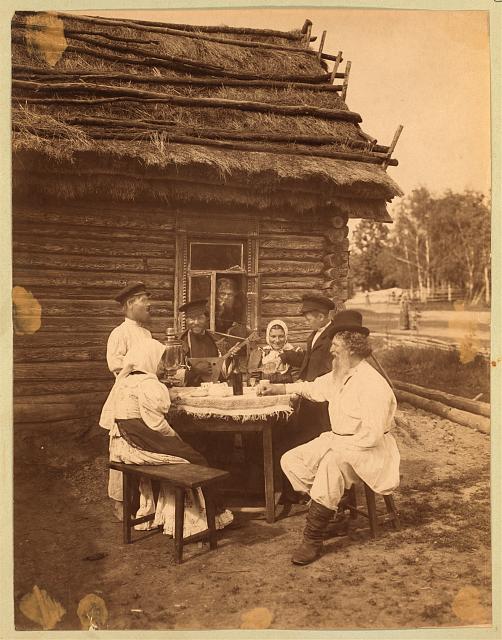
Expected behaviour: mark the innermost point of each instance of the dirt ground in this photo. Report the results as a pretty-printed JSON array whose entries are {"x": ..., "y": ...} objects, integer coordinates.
[{"x": 435, "y": 571}]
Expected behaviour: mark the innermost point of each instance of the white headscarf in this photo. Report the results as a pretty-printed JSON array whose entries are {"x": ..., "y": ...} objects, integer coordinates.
[
  {"x": 145, "y": 357},
  {"x": 271, "y": 355}
]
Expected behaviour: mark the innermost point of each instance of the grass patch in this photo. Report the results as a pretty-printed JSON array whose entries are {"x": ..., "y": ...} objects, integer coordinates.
[{"x": 437, "y": 369}]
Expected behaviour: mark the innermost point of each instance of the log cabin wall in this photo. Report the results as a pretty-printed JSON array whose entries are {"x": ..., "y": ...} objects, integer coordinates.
[
  {"x": 74, "y": 257},
  {"x": 300, "y": 255}
]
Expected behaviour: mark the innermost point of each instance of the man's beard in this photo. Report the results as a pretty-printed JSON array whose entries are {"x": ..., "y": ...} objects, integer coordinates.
[{"x": 341, "y": 367}]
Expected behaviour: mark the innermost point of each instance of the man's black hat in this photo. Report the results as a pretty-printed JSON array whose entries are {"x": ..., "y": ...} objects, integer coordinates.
[
  {"x": 314, "y": 302},
  {"x": 134, "y": 289},
  {"x": 194, "y": 307},
  {"x": 349, "y": 321}
]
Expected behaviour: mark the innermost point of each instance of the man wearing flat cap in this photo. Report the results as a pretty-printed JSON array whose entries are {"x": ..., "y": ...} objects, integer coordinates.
[
  {"x": 135, "y": 302},
  {"x": 197, "y": 341},
  {"x": 313, "y": 418},
  {"x": 359, "y": 446}
]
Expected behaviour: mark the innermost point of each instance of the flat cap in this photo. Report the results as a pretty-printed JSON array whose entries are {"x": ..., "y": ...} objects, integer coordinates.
[
  {"x": 194, "y": 307},
  {"x": 134, "y": 289},
  {"x": 314, "y": 302}
]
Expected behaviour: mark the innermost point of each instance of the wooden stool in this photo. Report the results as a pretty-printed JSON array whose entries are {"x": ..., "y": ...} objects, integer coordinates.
[
  {"x": 181, "y": 477},
  {"x": 350, "y": 503}
]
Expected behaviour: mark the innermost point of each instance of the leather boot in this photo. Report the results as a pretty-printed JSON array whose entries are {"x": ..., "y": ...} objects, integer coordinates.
[{"x": 318, "y": 517}]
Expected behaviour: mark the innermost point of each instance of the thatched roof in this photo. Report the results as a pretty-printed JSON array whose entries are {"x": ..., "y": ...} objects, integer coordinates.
[{"x": 203, "y": 114}]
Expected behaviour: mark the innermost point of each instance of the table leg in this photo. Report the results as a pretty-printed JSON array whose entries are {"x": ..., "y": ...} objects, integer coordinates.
[
  {"x": 268, "y": 470},
  {"x": 179, "y": 518}
]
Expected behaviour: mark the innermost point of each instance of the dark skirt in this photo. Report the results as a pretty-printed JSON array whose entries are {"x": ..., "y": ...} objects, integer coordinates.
[{"x": 136, "y": 433}]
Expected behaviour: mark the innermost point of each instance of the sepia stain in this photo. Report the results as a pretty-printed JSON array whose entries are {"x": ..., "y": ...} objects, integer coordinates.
[
  {"x": 26, "y": 312},
  {"x": 468, "y": 607},
  {"x": 257, "y": 618},
  {"x": 45, "y": 37},
  {"x": 469, "y": 345},
  {"x": 92, "y": 612},
  {"x": 39, "y": 607}
]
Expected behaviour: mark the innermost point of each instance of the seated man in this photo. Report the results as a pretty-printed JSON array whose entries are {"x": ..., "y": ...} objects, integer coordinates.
[
  {"x": 197, "y": 341},
  {"x": 361, "y": 409}
]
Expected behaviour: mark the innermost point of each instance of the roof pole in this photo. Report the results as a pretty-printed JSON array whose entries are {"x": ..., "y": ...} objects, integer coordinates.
[
  {"x": 392, "y": 146},
  {"x": 338, "y": 59},
  {"x": 321, "y": 45},
  {"x": 346, "y": 80}
]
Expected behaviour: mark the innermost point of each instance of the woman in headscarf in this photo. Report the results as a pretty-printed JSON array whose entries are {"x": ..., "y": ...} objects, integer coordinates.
[
  {"x": 134, "y": 413},
  {"x": 269, "y": 364}
]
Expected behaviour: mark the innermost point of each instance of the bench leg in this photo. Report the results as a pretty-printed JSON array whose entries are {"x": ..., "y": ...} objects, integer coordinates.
[
  {"x": 268, "y": 470},
  {"x": 352, "y": 501},
  {"x": 372, "y": 513},
  {"x": 179, "y": 518},
  {"x": 211, "y": 518},
  {"x": 392, "y": 511},
  {"x": 126, "y": 508}
]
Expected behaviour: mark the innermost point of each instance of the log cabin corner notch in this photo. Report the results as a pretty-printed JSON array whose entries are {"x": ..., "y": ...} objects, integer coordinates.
[{"x": 175, "y": 155}]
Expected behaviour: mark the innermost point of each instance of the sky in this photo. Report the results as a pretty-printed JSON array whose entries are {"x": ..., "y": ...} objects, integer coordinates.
[{"x": 426, "y": 70}]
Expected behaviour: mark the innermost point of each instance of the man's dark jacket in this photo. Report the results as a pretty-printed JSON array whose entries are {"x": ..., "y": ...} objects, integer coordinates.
[{"x": 313, "y": 417}]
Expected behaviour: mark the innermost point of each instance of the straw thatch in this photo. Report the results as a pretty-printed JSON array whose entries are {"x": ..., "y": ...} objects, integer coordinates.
[{"x": 187, "y": 114}]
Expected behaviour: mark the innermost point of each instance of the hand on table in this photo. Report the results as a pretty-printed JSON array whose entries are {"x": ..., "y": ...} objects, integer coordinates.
[{"x": 266, "y": 388}]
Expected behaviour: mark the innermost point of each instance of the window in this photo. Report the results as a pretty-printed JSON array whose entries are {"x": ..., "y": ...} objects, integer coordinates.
[{"x": 216, "y": 272}]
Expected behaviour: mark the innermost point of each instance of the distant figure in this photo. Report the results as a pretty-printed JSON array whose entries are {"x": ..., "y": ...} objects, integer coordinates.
[
  {"x": 367, "y": 297},
  {"x": 404, "y": 312},
  {"x": 135, "y": 302}
]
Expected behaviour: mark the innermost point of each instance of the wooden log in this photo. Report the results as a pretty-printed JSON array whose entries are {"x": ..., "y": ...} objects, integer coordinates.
[
  {"x": 321, "y": 44},
  {"x": 75, "y": 399},
  {"x": 97, "y": 51},
  {"x": 284, "y": 295},
  {"x": 334, "y": 273},
  {"x": 58, "y": 307},
  {"x": 339, "y": 222},
  {"x": 108, "y": 219},
  {"x": 68, "y": 354},
  {"x": 392, "y": 146},
  {"x": 307, "y": 255},
  {"x": 294, "y": 323},
  {"x": 30, "y": 388},
  {"x": 302, "y": 243},
  {"x": 334, "y": 236},
  {"x": 346, "y": 80},
  {"x": 159, "y": 27},
  {"x": 290, "y": 267},
  {"x": 49, "y": 75},
  {"x": 61, "y": 371},
  {"x": 471, "y": 420},
  {"x": 31, "y": 242},
  {"x": 334, "y": 73},
  {"x": 186, "y": 101},
  {"x": 84, "y": 324},
  {"x": 57, "y": 430},
  {"x": 87, "y": 263},
  {"x": 108, "y": 282},
  {"x": 44, "y": 339},
  {"x": 284, "y": 283},
  {"x": 336, "y": 259},
  {"x": 222, "y": 134},
  {"x": 48, "y": 412},
  {"x": 280, "y": 309},
  {"x": 311, "y": 225},
  {"x": 473, "y": 406}
]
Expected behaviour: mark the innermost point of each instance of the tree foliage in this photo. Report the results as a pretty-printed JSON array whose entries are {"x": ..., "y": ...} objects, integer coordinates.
[{"x": 435, "y": 243}]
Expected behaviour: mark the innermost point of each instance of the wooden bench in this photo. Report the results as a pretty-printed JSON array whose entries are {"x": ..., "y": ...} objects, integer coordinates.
[{"x": 181, "y": 477}]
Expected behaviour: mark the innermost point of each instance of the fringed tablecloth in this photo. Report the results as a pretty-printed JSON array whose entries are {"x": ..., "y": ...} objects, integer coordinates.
[{"x": 239, "y": 408}]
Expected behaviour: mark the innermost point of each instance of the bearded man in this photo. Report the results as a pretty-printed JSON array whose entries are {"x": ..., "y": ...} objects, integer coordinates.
[{"x": 359, "y": 446}]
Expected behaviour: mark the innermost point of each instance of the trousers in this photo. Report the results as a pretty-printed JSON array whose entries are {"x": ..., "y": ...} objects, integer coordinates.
[{"x": 319, "y": 469}]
